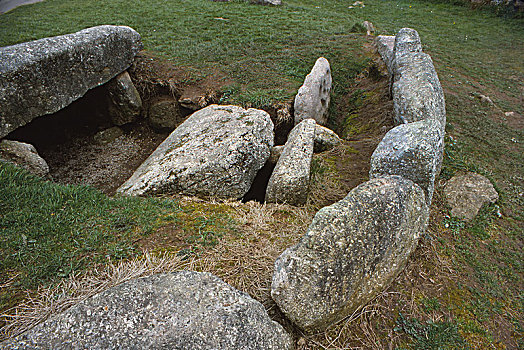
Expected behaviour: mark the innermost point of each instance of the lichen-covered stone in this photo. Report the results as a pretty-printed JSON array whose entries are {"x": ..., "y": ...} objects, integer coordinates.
[
  {"x": 126, "y": 102},
  {"x": 413, "y": 151},
  {"x": 385, "y": 46},
  {"x": 467, "y": 193},
  {"x": 312, "y": 100},
  {"x": 417, "y": 93},
  {"x": 216, "y": 152},
  {"x": 44, "y": 76},
  {"x": 325, "y": 139},
  {"x": 164, "y": 114},
  {"x": 352, "y": 250},
  {"x": 181, "y": 310},
  {"x": 289, "y": 182},
  {"x": 23, "y": 155}
]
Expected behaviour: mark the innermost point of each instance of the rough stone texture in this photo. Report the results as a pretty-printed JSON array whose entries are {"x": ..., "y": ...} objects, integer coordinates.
[
  {"x": 385, "y": 46},
  {"x": 352, "y": 250},
  {"x": 417, "y": 93},
  {"x": 289, "y": 182},
  {"x": 267, "y": 2},
  {"x": 413, "y": 151},
  {"x": 181, "y": 310},
  {"x": 276, "y": 152},
  {"x": 126, "y": 102},
  {"x": 370, "y": 28},
  {"x": 325, "y": 139},
  {"x": 106, "y": 136},
  {"x": 164, "y": 114},
  {"x": 23, "y": 155},
  {"x": 466, "y": 194},
  {"x": 312, "y": 100},
  {"x": 216, "y": 152},
  {"x": 44, "y": 76}
]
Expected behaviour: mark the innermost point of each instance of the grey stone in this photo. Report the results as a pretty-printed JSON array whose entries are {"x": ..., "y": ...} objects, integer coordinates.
[
  {"x": 216, "y": 152},
  {"x": 312, "y": 100},
  {"x": 385, "y": 45},
  {"x": 325, "y": 139},
  {"x": 267, "y": 2},
  {"x": 126, "y": 102},
  {"x": 352, "y": 251},
  {"x": 23, "y": 155},
  {"x": 370, "y": 28},
  {"x": 106, "y": 136},
  {"x": 289, "y": 182},
  {"x": 417, "y": 93},
  {"x": 274, "y": 156},
  {"x": 413, "y": 151},
  {"x": 44, "y": 76},
  {"x": 466, "y": 194},
  {"x": 164, "y": 114},
  {"x": 180, "y": 310}
]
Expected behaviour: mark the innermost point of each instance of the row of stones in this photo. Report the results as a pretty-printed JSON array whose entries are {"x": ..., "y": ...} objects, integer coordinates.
[{"x": 354, "y": 248}]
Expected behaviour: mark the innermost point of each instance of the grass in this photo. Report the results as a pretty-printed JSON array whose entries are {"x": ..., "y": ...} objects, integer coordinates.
[{"x": 463, "y": 286}]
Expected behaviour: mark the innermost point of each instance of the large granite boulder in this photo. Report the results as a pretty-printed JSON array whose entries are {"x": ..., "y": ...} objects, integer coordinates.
[
  {"x": 467, "y": 193},
  {"x": 216, "y": 152},
  {"x": 417, "y": 93},
  {"x": 126, "y": 103},
  {"x": 385, "y": 45},
  {"x": 352, "y": 250},
  {"x": 23, "y": 155},
  {"x": 44, "y": 76},
  {"x": 289, "y": 182},
  {"x": 413, "y": 151},
  {"x": 181, "y": 310},
  {"x": 312, "y": 100}
]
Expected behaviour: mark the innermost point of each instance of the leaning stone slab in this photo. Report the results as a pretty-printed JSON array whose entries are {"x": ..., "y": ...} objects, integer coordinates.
[
  {"x": 312, "y": 100},
  {"x": 181, "y": 310},
  {"x": 126, "y": 102},
  {"x": 417, "y": 93},
  {"x": 44, "y": 76},
  {"x": 385, "y": 46},
  {"x": 325, "y": 139},
  {"x": 352, "y": 250},
  {"x": 466, "y": 194},
  {"x": 23, "y": 155},
  {"x": 216, "y": 152},
  {"x": 413, "y": 151},
  {"x": 289, "y": 182}
]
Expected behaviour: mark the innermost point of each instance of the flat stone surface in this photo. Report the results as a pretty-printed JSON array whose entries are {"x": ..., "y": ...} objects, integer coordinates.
[
  {"x": 23, "y": 155},
  {"x": 180, "y": 310},
  {"x": 352, "y": 251},
  {"x": 43, "y": 76},
  {"x": 289, "y": 182},
  {"x": 216, "y": 152},
  {"x": 466, "y": 194},
  {"x": 413, "y": 151},
  {"x": 312, "y": 100}
]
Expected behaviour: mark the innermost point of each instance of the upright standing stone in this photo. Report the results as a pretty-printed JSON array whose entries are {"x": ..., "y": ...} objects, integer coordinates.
[
  {"x": 216, "y": 152},
  {"x": 417, "y": 93},
  {"x": 413, "y": 151},
  {"x": 289, "y": 182},
  {"x": 352, "y": 250},
  {"x": 43, "y": 76},
  {"x": 312, "y": 100},
  {"x": 182, "y": 310},
  {"x": 126, "y": 102}
]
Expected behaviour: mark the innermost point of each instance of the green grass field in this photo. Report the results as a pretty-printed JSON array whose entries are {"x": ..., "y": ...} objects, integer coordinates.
[{"x": 50, "y": 231}]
